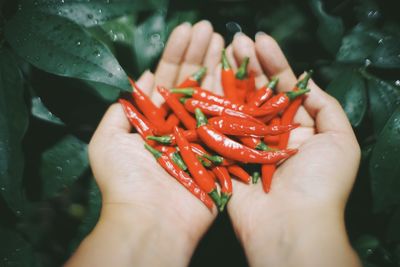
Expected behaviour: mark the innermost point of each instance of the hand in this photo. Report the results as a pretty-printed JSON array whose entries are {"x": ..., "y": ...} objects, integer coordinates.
[
  {"x": 300, "y": 222},
  {"x": 161, "y": 221}
]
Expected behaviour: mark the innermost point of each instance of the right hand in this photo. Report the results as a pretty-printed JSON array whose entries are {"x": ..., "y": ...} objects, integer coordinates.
[{"x": 309, "y": 191}]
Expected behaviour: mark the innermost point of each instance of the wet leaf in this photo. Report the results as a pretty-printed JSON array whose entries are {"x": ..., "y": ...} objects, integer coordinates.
[
  {"x": 14, "y": 250},
  {"x": 13, "y": 125},
  {"x": 63, "y": 164},
  {"x": 330, "y": 29},
  {"x": 349, "y": 89},
  {"x": 384, "y": 98},
  {"x": 393, "y": 229},
  {"x": 387, "y": 54},
  {"x": 384, "y": 165},
  {"x": 61, "y": 47},
  {"x": 150, "y": 37},
  {"x": 91, "y": 217},
  {"x": 90, "y": 13},
  {"x": 357, "y": 47},
  {"x": 40, "y": 111}
]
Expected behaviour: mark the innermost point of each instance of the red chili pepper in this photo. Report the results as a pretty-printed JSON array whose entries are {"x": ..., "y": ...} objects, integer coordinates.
[
  {"x": 154, "y": 114},
  {"x": 210, "y": 98},
  {"x": 225, "y": 182},
  {"x": 215, "y": 110},
  {"x": 181, "y": 176},
  {"x": 196, "y": 169},
  {"x": 240, "y": 173},
  {"x": 263, "y": 94},
  {"x": 170, "y": 123},
  {"x": 144, "y": 103},
  {"x": 254, "y": 142},
  {"x": 174, "y": 155},
  {"x": 267, "y": 172},
  {"x": 251, "y": 84},
  {"x": 137, "y": 120},
  {"x": 273, "y": 139},
  {"x": 177, "y": 108},
  {"x": 242, "y": 81},
  {"x": 290, "y": 112},
  {"x": 232, "y": 149},
  {"x": 242, "y": 127},
  {"x": 193, "y": 80},
  {"x": 190, "y": 135},
  {"x": 228, "y": 79},
  {"x": 282, "y": 100}
]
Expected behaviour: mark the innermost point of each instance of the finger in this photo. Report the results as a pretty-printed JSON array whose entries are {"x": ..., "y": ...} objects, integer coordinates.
[
  {"x": 326, "y": 110},
  {"x": 244, "y": 47},
  {"x": 217, "y": 85},
  {"x": 274, "y": 62},
  {"x": 212, "y": 59},
  {"x": 146, "y": 82},
  {"x": 113, "y": 121},
  {"x": 168, "y": 67},
  {"x": 202, "y": 33},
  {"x": 231, "y": 57},
  {"x": 213, "y": 55},
  {"x": 299, "y": 136}
]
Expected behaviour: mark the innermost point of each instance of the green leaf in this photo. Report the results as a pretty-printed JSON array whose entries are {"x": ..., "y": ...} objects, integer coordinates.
[
  {"x": 94, "y": 12},
  {"x": 121, "y": 30},
  {"x": 61, "y": 47},
  {"x": 384, "y": 98},
  {"x": 13, "y": 125},
  {"x": 384, "y": 165},
  {"x": 91, "y": 217},
  {"x": 349, "y": 89},
  {"x": 63, "y": 164},
  {"x": 366, "y": 245},
  {"x": 357, "y": 47},
  {"x": 330, "y": 29},
  {"x": 387, "y": 54},
  {"x": 393, "y": 229},
  {"x": 40, "y": 111},
  {"x": 150, "y": 37},
  {"x": 14, "y": 250},
  {"x": 106, "y": 92},
  {"x": 367, "y": 11},
  {"x": 293, "y": 28}
]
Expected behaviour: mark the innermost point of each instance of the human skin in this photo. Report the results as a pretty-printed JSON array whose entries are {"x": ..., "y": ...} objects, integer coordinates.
[
  {"x": 147, "y": 217},
  {"x": 300, "y": 222}
]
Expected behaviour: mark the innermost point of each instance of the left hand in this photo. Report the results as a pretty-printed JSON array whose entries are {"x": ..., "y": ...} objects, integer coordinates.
[{"x": 138, "y": 195}]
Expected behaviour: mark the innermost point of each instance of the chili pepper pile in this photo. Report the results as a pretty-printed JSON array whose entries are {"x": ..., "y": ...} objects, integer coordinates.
[{"x": 203, "y": 140}]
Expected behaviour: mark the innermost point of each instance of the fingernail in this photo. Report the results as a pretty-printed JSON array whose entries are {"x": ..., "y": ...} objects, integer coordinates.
[
  {"x": 260, "y": 33},
  {"x": 186, "y": 23},
  {"x": 206, "y": 21},
  {"x": 238, "y": 34}
]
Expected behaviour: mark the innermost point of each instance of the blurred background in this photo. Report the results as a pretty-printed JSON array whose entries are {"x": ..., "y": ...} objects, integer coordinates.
[{"x": 50, "y": 105}]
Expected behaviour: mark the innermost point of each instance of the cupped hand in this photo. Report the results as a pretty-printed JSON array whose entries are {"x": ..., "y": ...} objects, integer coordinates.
[
  {"x": 310, "y": 187},
  {"x": 127, "y": 174}
]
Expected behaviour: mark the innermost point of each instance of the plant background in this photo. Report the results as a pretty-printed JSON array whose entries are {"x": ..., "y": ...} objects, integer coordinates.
[{"x": 62, "y": 62}]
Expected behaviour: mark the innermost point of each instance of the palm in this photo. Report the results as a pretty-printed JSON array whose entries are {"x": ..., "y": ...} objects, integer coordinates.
[
  {"x": 138, "y": 179},
  {"x": 328, "y": 153},
  {"x": 125, "y": 171}
]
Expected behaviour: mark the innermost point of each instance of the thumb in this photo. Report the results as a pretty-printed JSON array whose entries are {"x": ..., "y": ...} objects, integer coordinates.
[{"x": 114, "y": 120}]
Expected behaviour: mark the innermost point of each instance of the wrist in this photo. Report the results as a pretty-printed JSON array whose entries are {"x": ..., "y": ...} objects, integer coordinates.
[
  {"x": 291, "y": 238},
  {"x": 155, "y": 241}
]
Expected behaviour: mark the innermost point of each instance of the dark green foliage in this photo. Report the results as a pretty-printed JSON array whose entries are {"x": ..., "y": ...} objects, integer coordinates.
[{"x": 63, "y": 62}]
